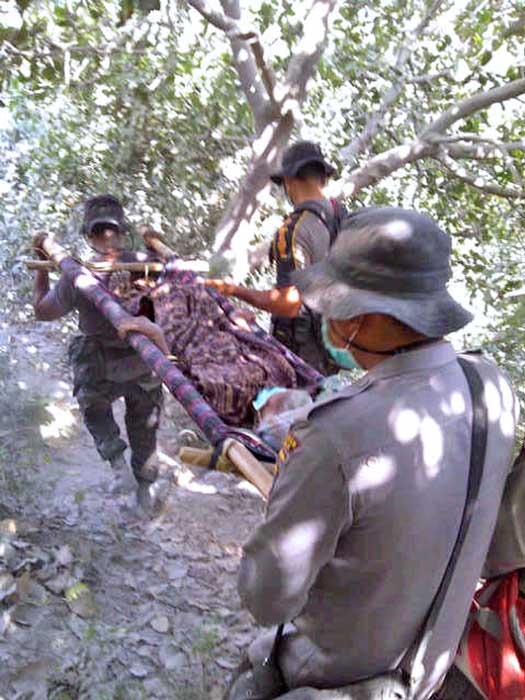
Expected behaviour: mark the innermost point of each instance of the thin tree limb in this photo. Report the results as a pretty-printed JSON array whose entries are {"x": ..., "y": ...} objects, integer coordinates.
[
  {"x": 303, "y": 63},
  {"x": 374, "y": 123},
  {"x": 494, "y": 146},
  {"x": 255, "y": 75},
  {"x": 471, "y": 105},
  {"x": 478, "y": 182},
  {"x": 517, "y": 28},
  {"x": 268, "y": 148},
  {"x": 430, "y": 77},
  {"x": 480, "y": 151}
]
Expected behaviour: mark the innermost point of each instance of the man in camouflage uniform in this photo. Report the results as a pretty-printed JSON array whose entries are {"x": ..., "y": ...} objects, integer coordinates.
[
  {"x": 303, "y": 239},
  {"x": 105, "y": 367}
]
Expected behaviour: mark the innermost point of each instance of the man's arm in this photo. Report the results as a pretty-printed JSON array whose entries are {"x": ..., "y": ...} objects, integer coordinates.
[
  {"x": 285, "y": 301},
  {"x": 308, "y": 508},
  {"x": 46, "y": 305},
  {"x": 293, "y": 251}
]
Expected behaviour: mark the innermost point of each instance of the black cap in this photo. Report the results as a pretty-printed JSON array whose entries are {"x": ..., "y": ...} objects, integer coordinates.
[
  {"x": 296, "y": 157},
  {"x": 103, "y": 209}
]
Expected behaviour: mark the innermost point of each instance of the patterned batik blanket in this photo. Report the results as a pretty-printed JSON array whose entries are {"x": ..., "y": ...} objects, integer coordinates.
[{"x": 227, "y": 365}]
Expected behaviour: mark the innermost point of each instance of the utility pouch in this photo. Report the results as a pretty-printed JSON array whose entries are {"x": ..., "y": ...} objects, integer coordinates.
[
  {"x": 87, "y": 360},
  {"x": 122, "y": 364},
  {"x": 283, "y": 330}
]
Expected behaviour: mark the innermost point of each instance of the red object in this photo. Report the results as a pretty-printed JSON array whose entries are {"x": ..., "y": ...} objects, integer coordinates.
[{"x": 492, "y": 652}]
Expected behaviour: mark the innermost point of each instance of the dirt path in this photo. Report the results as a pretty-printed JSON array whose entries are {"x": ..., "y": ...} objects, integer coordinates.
[{"x": 94, "y": 603}]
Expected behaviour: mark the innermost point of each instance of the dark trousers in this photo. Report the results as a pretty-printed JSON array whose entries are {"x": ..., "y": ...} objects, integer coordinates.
[
  {"x": 104, "y": 372},
  {"x": 142, "y": 417}
]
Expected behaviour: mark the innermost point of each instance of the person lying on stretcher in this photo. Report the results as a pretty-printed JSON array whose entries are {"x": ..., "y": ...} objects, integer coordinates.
[{"x": 274, "y": 407}]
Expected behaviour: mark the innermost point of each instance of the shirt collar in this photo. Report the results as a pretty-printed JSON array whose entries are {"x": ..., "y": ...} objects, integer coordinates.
[
  {"x": 423, "y": 358},
  {"x": 428, "y": 357}
]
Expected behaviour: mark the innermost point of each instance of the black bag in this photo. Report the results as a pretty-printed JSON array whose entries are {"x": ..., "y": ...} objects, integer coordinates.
[{"x": 262, "y": 682}]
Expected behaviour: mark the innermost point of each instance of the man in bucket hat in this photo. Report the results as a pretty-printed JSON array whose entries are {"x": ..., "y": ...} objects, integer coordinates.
[
  {"x": 303, "y": 239},
  {"x": 371, "y": 484},
  {"x": 105, "y": 367}
]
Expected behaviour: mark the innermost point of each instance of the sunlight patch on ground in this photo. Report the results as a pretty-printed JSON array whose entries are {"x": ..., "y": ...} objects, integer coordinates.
[{"x": 62, "y": 423}]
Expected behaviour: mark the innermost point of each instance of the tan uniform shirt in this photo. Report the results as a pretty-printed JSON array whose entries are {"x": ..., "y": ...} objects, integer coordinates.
[{"x": 363, "y": 516}]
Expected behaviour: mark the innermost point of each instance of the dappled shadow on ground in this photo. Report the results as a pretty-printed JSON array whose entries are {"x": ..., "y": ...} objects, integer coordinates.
[{"x": 100, "y": 603}]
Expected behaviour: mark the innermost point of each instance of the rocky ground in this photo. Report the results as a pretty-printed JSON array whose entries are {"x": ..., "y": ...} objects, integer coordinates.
[{"x": 97, "y": 603}]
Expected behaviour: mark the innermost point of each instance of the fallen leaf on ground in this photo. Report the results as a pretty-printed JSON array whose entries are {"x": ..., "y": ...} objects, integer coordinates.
[
  {"x": 64, "y": 555},
  {"x": 80, "y": 600},
  {"x": 160, "y": 623},
  {"x": 171, "y": 657}
]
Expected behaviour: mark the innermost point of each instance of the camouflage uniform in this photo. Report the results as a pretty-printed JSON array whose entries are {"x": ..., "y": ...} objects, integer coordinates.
[
  {"x": 104, "y": 373},
  {"x": 106, "y": 368}
]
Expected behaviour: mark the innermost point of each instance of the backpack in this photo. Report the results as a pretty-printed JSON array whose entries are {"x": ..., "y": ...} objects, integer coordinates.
[
  {"x": 334, "y": 223},
  {"x": 285, "y": 329},
  {"x": 492, "y": 650}
]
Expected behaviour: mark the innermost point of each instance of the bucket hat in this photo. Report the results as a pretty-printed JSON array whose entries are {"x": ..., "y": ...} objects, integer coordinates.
[
  {"x": 103, "y": 209},
  {"x": 390, "y": 261},
  {"x": 296, "y": 157}
]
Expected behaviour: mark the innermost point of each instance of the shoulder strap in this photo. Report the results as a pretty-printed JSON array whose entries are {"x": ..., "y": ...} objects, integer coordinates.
[
  {"x": 330, "y": 220},
  {"x": 282, "y": 243},
  {"x": 477, "y": 462}
]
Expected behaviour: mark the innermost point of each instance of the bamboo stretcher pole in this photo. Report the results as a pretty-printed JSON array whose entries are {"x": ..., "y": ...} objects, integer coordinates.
[
  {"x": 100, "y": 266},
  {"x": 88, "y": 285},
  {"x": 153, "y": 241},
  {"x": 247, "y": 464}
]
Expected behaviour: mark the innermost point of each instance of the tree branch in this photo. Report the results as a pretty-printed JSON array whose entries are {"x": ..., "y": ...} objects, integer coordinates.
[
  {"x": 303, "y": 63},
  {"x": 481, "y": 151},
  {"x": 479, "y": 183},
  {"x": 496, "y": 146},
  {"x": 242, "y": 207},
  {"x": 517, "y": 28},
  {"x": 268, "y": 147},
  {"x": 381, "y": 166},
  {"x": 256, "y": 77},
  {"x": 431, "y": 77},
  {"x": 359, "y": 144},
  {"x": 429, "y": 143},
  {"x": 218, "y": 19},
  {"x": 470, "y": 105}
]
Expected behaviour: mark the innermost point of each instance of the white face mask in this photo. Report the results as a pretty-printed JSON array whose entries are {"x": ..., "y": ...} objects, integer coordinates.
[{"x": 341, "y": 356}]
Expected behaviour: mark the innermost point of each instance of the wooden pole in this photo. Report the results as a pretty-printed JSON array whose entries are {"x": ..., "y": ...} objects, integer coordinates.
[
  {"x": 153, "y": 241},
  {"x": 196, "y": 456},
  {"x": 241, "y": 457},
  {"x": 101, "y": 266}
]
